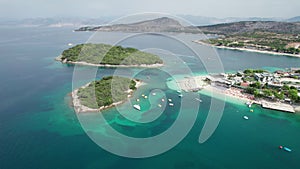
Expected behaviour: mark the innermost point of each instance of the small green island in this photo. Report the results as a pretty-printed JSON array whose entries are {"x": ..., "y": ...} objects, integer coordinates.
[
  {"x": 105, "y": 93},
  {"x": 109, "y": 56}
]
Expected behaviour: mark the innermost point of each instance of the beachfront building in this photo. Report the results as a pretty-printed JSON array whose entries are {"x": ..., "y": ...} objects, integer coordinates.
[{"x": 264, "y": 77}]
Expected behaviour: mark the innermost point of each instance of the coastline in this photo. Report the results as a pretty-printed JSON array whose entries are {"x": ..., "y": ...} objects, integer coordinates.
[
  {"x": 80, "y": 108},
  {"x": 247, "y": 50},
  {"x": 226, "y": 96},
  {"x": 233, "y": 95},
  {"x": 243, "y": 98},
  {"x": 107, "y": 65}
]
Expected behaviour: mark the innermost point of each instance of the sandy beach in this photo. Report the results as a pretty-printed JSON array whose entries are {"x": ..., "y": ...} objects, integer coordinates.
[
  {"x": 230, "y": 92},
  {"x": 192, "y": 83},
  {"x": 247, "y": 50},
  {"x": 79, "y": 108}
]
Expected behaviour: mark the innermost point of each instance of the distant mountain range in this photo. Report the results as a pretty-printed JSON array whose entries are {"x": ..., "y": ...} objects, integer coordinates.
[
  {"x": 163, "y": 24},
  {"x": 294, "y": 19},
  {"x": 81, "y": 22},
  {"x": 54, "y": 22},
  {"x": 252, "y": 26},
  {"x": 170, "y": 25},
  {"x": 202, "y": 21}
]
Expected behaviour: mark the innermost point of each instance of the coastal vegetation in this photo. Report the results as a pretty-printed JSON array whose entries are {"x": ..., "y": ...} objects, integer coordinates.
[
  {"x": 279, "y": 37},
  {"x": 106, "y": 91},
  {"x": 281, "y": 43},
  {"x": 105, "y": 54}
]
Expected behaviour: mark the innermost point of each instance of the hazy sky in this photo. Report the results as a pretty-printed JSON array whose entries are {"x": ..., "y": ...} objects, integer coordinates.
[{"x": 98, "y": 8}]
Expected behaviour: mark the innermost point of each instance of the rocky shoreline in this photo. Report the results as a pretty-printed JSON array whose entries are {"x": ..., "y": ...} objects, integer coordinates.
[{"x": 107, "y": 65}]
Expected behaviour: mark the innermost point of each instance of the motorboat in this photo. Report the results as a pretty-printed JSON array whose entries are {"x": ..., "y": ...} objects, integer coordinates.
[
  {"x": 138, "y": 107},
  {"x": 198, "y": 100},
  {"x": 246, "y": 117}
]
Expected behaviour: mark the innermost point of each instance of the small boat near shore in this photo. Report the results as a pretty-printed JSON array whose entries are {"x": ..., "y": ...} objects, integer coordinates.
[
  {"x": 249, "y": 104},
  {"x": 138, "y": 107},
  {"x": 199, "y": 100},
  {"x": 246, "y": 117}
]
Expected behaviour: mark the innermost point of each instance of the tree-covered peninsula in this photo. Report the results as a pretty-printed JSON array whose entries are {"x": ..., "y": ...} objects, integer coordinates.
[
  {"x": 104, "y": 54},
  {"x": 259, "y": 36},
  {"x": 106, "y": 92}
]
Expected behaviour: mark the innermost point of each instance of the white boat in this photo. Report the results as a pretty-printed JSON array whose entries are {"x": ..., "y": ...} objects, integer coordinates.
[
  {"x": 171, "y": 104},
  {"x": 246, "y": 117},
  {"x": 138, "y": 107},
  {"x": 249, "y": 104},
  {"x": 162, "y": 100},
  {"x": 153, "y": 94},
  {"x": 180, "y": 95},
  {"x": 198, "y": 100},
  {"x": 178, "y": 91},
  {"x": 70, "y": 44},
  {"x": 159, "y": 105},
  {"x": 170, "y": 100}
]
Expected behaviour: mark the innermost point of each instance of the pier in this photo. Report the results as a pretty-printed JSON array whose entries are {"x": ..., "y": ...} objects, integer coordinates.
[{"x": 278, "y": 106}]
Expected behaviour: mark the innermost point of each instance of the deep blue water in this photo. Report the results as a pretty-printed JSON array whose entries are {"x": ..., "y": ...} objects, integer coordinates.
[{"x": 38, "y": 128}]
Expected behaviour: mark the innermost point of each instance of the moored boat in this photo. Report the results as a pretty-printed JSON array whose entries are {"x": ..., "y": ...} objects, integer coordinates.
[
  {"x": 287, "y": 149},
  {"x": 198, "y": 100},
  {"x": 138, "y": 107}
]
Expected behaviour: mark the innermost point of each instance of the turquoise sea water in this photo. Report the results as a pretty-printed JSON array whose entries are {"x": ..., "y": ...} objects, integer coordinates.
[{"x": 38, "y": 128}]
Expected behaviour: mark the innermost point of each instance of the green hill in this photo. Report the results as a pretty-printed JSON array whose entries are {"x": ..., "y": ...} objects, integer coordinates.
[
  {"x": 280, "y": 37},
  {"x": 106, "y": 91},
  {"x": 107, "y": 54}
]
